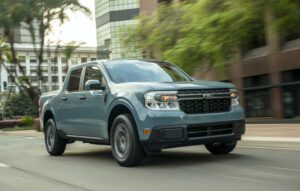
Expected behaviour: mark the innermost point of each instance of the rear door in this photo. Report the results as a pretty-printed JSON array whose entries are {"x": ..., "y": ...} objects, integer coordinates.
[{"x": 68, "y": 111}]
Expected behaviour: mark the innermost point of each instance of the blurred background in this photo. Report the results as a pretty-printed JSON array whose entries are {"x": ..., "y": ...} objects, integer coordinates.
[{"x": 254, "y": 44}]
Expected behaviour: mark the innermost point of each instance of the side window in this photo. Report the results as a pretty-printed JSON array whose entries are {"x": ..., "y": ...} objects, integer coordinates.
[
  {"x": 94, "y": 73},
  {"x": 74, "y": 80}
]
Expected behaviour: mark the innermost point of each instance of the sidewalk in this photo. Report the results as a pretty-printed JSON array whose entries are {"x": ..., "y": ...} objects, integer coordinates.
[
  {"x": 273, "y": 130},
  {"x": 26, "y": 133},
  {"x": 253, "y": 132}
]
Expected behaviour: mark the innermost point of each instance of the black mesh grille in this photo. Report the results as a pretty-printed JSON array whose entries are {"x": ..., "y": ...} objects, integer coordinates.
[
  {"x": 202, "y": 91},
  {"x": 195, "y": 131},
  {"x": 200, "y": 105}
]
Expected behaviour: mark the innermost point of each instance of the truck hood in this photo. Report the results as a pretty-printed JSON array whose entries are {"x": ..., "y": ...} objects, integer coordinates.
[
  {"x": 151, "y": 86},
  {"x": 191, "y": 85}
]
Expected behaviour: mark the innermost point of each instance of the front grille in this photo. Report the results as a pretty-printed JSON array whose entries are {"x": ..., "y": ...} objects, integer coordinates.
[
  {"x": 195, "y": 131},
  {"x": 202, "y": 91},
  {"x": 194, "y": 102}
]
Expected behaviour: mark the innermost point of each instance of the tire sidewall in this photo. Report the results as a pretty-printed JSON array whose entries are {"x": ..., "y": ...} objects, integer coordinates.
[
  {"x": 59, "y": 144},
  {"x": 129, "y": 125},
  {"x": 50, "y": 124}
]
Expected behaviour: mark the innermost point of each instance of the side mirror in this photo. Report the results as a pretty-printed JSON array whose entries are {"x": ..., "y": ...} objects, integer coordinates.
[{"x": 93, "y": 85}]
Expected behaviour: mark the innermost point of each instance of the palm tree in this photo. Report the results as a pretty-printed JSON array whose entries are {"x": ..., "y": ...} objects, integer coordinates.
[
  {"x": 44, "y": 12},
  {"x": 13, "y": 13}
]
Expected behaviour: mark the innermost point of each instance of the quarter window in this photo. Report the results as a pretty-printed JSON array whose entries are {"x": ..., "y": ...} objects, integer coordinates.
[{"x": 74, "y": 80}]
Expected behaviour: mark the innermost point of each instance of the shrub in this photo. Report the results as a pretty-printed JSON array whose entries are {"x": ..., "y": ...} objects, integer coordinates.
[
  {"x": 19, "y": 105},
  {"x": 27, "y": 121}
]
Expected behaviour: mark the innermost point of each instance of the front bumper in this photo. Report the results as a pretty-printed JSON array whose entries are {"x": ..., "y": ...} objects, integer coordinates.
[{"x": 162, "y": 137}]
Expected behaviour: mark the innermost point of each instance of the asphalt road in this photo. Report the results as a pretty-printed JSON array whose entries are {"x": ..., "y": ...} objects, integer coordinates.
[{"x": 25, "y": 165}]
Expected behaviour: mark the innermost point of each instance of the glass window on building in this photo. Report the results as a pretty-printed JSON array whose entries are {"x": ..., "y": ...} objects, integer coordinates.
[
  {"x": 93, "y": 59},
  {"x": 46, "y": 88},
  {"x": 64, "y": 60},
  {"x": 44, "y": 69},
  {"x": 11, "y": 79},
  {"x": 83, "y": 59},
  {"x": 74, "y": 60},
  {"x": 44, "y": 79},
  {"x": 53, "y": 60},
  {"x": 22, "y": 59},
  {"x": 291, "y": 93},
  {"x": 33, "y": 59},
  {"x": 54, "y": 79},
  {"x": 33, "y": 79},
  {"x": 22, "y": 68},
  {"x": 54, "y": 69},
  {"x": 257, "y": 97},
  {"x": 54, "y": 88},
  {"x": 33, "y": 69}
]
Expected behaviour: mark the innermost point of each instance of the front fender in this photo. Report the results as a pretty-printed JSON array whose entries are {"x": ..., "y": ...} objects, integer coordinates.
[{"x": 132, "y": 109}]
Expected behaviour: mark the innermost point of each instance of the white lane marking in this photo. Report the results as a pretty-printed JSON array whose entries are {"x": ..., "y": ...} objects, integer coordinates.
[
  {"x": 280, "y": 168},
  {"x": 271, "y": 148},
  {"x": 279, "y": 139},
  {"x": 4, "y": 165}
]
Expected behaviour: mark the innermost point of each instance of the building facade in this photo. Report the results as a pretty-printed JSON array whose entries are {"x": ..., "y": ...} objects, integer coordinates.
[
  {"x": 268, "y": 80},
  {"x": 54, "y": 67},
  {"x": 112, "y": 20}
]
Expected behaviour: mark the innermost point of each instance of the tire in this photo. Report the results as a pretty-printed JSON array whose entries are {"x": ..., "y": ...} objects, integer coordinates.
[
  {"x": 221, "y": 148},
  {"x": 55, "y": 145},
  {"x": 126, "y": 146}
]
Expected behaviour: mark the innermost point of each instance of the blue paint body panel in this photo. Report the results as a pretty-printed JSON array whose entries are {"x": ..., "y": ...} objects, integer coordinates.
[{"x": 89, "y": 118}]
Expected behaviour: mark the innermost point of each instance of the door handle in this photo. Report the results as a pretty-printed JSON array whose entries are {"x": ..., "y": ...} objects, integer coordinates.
[
  {"x": 64, "y": 98},
  {"x": 82, "y": 98}
]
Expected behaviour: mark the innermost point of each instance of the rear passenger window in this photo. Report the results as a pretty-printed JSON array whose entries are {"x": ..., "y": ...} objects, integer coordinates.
[{"x": 74, "y": 80}]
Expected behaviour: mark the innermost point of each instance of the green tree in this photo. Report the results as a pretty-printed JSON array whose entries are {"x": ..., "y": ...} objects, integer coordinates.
[{"x": 214, "y": 32}]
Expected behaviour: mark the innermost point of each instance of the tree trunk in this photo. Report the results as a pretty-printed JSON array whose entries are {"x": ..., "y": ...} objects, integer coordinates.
[{"x": 271, "y": 33}]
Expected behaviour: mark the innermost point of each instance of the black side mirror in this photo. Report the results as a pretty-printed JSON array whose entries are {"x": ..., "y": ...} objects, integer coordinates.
[{"x": 93, "y": 85}]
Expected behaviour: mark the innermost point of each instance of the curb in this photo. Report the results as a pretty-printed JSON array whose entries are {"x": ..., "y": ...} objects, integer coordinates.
[{"x": 272, "y": 139}]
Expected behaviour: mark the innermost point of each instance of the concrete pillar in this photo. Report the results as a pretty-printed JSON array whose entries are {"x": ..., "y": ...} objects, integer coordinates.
[
  {"x": 59, "y": 68},
  {"x": 273, "y": 44},
  {"x": 276, "y": 92},
  {"x": 148, "y": 7},
  {"x": 27, "y": 66},
  {"x": 3, "y": 77},
  {"x": 49, "y": 75}
]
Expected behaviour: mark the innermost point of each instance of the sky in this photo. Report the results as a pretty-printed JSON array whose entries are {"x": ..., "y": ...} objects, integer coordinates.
[{"x": 80, "y": 28}]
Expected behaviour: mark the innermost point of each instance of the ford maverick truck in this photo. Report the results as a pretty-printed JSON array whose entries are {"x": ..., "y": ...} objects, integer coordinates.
[{"x": 140, "y": 107}]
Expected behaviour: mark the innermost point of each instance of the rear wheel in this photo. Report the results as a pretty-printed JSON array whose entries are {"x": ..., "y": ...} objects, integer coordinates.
[
  {"x": 126, "y": 147},
  {"x": 55, "y": 145},
  {"x": 221, "y": 148}
]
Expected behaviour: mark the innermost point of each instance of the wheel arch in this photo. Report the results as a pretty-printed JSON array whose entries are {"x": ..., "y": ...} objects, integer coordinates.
[
  {"x": 121, "y": 107},
  {"x": 47, "y": 115}
]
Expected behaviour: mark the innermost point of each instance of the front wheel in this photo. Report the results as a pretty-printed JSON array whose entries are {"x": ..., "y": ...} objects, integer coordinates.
[
  {"x": 221, "y": 148},
  {"x": 55, "y": 145},
  {"x": 126, "y": 147}
]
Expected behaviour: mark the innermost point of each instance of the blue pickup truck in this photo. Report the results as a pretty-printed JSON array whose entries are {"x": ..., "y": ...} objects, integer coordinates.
[{"x": 140, "y": 107}]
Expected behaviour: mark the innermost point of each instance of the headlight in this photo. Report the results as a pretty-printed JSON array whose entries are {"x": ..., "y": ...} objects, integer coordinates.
[
  {"x": 161, "y": 100},
  {"x": 234, "y": 97}
]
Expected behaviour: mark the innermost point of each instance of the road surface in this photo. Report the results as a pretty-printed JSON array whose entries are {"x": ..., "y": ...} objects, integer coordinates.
[{"x": 254, "y": 165}]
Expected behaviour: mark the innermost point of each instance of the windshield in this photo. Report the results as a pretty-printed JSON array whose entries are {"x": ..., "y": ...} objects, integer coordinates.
[{"x": 143, "y": 71}]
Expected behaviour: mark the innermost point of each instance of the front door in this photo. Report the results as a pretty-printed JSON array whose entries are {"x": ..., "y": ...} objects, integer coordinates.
[{"x": 92, "y": 115}]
